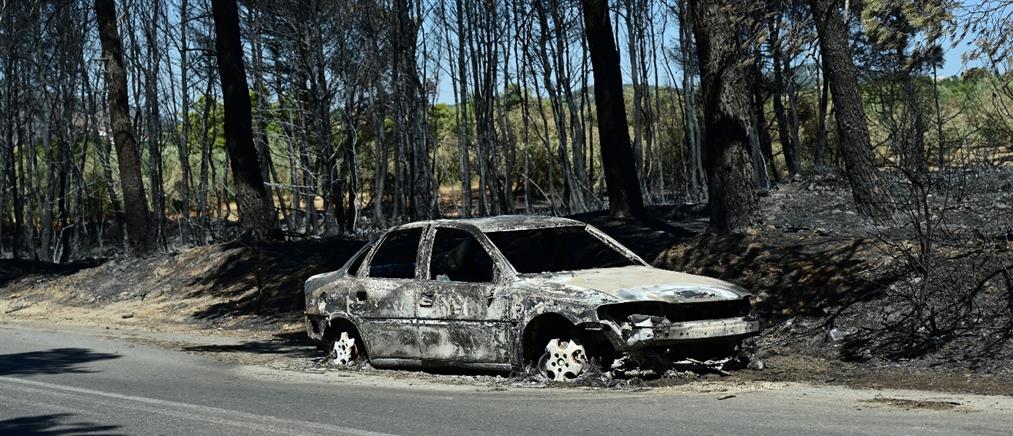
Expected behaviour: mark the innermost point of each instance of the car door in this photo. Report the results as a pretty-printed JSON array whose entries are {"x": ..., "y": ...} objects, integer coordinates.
[
  {"x": 385, "y": 299},
  {"x": 462, "y": 316}
]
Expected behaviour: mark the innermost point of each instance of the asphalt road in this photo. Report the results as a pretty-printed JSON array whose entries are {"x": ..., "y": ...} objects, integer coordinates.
[{"x": 67, "y": 381}]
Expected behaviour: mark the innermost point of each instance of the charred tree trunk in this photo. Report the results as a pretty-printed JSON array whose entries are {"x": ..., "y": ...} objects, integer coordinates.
[
  {"x": 333, "y": 188},
  {"x": 819, "y": 152},
  {"x": 11, "y": 70},
  {"x": 940, "y": 137},
  {"x": 350, "y": 166},
  {"x": 572, "y": 201},
  {"x": 621, "y": 181},
  {"x": 464, "y": 128},
  {"x": 917, "y": 159},
  {"x": 183, "y": 147},
  {"x": 256, "y": 212},
  {"x": 852, "y": 125},
  {"x": 788, "y": 144},
  {"x": 138, "y": 219},
  {"x": 632, "y": 51},
  {"x": 733, "y": 200},
  {"x": 380, "y": 172},
  {"x": 153, "y": 109},
  {"x": 696, "y": 176},
  {"x": 763, "y": 150},
  {"x": 260, "y": 115}
]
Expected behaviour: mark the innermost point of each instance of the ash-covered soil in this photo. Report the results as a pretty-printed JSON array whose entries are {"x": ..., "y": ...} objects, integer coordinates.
[
  {"x": 219, "y": 286},
  {"x": 922, "y": 300}
]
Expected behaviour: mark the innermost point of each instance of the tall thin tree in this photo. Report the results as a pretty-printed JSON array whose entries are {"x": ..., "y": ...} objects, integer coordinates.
[
  {"x": 621, "y": 181},
  {"x": 852, "y": 125},
  {"x": 135, "y": 205},
  {"x": 723, "y": 56},
  {"x": 256, "y": 211}
]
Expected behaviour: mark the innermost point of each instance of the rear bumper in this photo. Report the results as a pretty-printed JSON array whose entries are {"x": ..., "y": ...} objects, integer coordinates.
[
  {"x": 315, "y": 325},
  {"x": 640, "y": 336}
]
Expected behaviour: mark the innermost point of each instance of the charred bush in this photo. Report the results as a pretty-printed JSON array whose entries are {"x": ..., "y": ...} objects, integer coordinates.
[{"x": 954, "y": 294}]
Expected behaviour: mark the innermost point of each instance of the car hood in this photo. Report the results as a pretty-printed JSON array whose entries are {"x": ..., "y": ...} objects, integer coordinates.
[{"x": 635, "y": 283}]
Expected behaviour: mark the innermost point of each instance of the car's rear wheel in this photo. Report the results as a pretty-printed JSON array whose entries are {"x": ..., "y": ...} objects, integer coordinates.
[
  {"x": 343, "y": 345},
  {"x": 564, "y": 360},
  {"x": 345, "y": 351}
]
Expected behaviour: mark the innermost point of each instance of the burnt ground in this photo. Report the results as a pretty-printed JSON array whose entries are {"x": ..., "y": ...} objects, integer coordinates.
[
  {"x": 923, "y": 300},
  {"x": 226, "y": 285}
]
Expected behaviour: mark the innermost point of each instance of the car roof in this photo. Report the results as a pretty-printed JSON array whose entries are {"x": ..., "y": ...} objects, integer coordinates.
[{"x": 502, "y": 223}]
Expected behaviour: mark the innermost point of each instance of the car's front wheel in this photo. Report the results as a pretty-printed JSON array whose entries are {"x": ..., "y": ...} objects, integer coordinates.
[{"x": 563, "y": 360}]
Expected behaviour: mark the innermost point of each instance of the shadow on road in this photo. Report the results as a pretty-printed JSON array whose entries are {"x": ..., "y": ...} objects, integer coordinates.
[
  {"x": 55, "y": 361},
  {"x": 292, "y": 344},
  {"x": 53, "y": 424}
]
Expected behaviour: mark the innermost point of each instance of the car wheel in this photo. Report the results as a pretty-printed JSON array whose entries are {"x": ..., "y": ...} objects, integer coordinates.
[
  {"x": 345, "y": 351},
  {"x": 564, "y": 360}
]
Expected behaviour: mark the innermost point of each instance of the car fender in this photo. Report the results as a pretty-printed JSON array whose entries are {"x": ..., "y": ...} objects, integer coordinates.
[
  {"x": 354, "y": 320},
  {"x": 577, "y": 305}
]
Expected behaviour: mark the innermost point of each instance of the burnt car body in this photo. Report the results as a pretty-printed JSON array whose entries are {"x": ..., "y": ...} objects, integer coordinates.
[{"x": 506, "y": 292}]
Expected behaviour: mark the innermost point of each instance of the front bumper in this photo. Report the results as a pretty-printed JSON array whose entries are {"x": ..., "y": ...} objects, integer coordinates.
[{"x": 651, "y": 335}]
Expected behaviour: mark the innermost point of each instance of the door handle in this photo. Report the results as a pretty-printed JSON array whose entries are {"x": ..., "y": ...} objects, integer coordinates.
[{"x": 426, "y": 298}]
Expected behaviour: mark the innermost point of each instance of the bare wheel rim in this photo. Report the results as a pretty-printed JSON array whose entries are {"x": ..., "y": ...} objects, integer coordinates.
[
  {"x": 345, "y": 351},
  {"x": 563, "y": 360}
]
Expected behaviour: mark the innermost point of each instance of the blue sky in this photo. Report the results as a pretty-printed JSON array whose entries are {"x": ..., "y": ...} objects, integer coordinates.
[{"x": 954, "y": 63}]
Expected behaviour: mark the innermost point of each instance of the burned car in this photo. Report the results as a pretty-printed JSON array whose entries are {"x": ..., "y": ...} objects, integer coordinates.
[{"x": 514, "y": 292}]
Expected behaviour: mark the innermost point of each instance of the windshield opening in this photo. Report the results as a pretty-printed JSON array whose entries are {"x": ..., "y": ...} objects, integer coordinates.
[{"x": 556, "y": 249}]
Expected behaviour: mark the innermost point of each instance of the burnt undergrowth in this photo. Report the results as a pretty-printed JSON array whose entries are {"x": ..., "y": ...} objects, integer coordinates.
[
  {"x": 953, "y": 303},
  {"x": 229, "y": 285},
  {"x": 930, "y": 289},
  {"x": 266, "y": 280},
  {"x": 14, "y": 269}
]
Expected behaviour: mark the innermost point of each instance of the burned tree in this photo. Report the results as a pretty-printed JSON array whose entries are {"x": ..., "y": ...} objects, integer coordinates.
[
  {"x": 621, "y": 181},
  {"x": 256, "y": 211},
  {"x": 724, "y": 59},
  {"x": 135, "y": 204},
  {"x": 852, "y": 126},
  {"x": 789, "y": 139}
]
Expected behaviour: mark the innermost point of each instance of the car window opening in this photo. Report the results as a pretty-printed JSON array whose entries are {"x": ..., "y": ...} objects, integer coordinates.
[
  {"x": 396, "y": 257},
  {"x": 353, "y": 266},
  {"x": 556, "y": 249},
  {"x": 459, "y": 257}
]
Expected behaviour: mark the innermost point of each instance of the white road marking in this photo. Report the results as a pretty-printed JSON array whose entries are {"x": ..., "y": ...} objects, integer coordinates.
[{"x": 250, "y": 421}]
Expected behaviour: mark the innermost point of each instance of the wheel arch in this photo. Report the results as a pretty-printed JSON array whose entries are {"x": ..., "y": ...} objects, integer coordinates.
[
  {"x": 337, "y": 323},
  {"x": 541, "y": 328}
]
